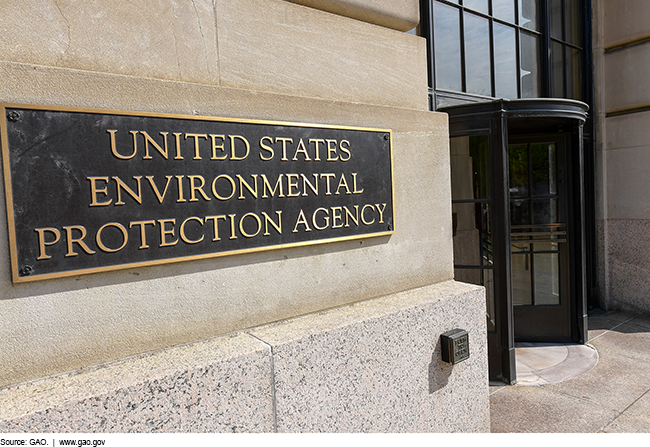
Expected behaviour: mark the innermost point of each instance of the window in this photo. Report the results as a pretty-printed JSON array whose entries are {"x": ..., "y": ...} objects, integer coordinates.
[
  {"x": 505, "y": 48},
  {"x": 566, "y": 49}
]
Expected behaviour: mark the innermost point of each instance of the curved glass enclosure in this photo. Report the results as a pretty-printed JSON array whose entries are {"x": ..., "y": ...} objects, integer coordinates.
[{"x": 518, "y": 219}]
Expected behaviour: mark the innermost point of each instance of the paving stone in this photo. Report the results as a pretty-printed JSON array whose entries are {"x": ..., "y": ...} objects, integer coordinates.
[
  {"x": 635, "y": 419},
  {"x": 638, "y": 324},
  {"x": 629, "y": 340},
  {"x": 601, "y": 322},
  {"x": 533, "y": 409},
  {"x": 615, "y": 383},
  {"x": 496, "y": 386},
  {"x": 613, "y": 397}
]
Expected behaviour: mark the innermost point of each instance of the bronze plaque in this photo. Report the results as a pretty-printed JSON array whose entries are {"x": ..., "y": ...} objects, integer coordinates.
[{"x": 97, "y": 190}]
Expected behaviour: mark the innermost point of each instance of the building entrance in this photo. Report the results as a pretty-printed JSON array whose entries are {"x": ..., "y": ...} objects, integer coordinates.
[
  {"x": 538, "y": 238},
  {"x": 518, "y": 219}
]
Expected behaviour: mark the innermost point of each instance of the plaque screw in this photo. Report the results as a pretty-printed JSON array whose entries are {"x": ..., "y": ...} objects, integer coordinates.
[
  {"x": 13, "y": 116},
  {"x": 390, "y": 227},
  {"x": 386, "y": 137},
  {"x": 26, "y": 270}
]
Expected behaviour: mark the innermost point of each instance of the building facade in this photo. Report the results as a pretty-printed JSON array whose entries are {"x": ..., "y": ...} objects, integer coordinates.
[{"x": 518, "y": 164}]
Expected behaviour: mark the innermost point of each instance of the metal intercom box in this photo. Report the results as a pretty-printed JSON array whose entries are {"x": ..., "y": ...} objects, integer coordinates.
[{"x": 455, "y": 346}]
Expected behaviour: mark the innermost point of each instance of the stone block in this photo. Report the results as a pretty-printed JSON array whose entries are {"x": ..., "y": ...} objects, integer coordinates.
[
  {"x": 148, "y": 38},
  {"x": 369, "y": 367},
  {"x": 625, "y": 21},
  {"x": 376, "y": 366},
  {"x": 625, "y": 68},
  {"x": 280, "y": 47},
  {"x": 402, "y": 15},
  {"x": 262, "y": 45},
  {"x": 625, "y": 131},
  {"x": 627, "y": 185},
  {"x": 628, "y": 264},
  {"x": 222, "y": 385}
]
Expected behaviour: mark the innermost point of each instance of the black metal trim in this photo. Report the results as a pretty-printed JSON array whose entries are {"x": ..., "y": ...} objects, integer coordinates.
[
  {"x": 523, "y": 108},
  {"x": 474, "y": 267}
]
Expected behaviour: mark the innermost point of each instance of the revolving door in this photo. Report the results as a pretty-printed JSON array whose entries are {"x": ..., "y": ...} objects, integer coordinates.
[{"x": 518, "y": 219}]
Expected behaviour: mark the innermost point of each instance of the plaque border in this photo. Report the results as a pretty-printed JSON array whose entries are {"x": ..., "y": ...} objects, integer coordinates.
[{"x": 13, "y": 248}]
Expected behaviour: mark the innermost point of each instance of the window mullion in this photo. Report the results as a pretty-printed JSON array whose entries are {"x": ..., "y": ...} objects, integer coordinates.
[
  {"x": 492, "y": 52},
  {"x": 565, "y": 83},
  {"x": 545, "y": 50},
  {"x": 463, "y": 70}
]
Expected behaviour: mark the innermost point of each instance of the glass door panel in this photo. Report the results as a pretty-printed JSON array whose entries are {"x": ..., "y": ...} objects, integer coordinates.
[
  {"x": 472, "y": 215},
  {"x": 538, "y": 240}
]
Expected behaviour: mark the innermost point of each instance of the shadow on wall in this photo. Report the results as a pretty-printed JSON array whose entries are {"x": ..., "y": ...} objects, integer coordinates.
[{"x": 439, "y": 371}]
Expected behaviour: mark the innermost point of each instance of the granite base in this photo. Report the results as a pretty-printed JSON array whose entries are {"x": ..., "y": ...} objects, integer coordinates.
[{"x": 373, "y": 366}]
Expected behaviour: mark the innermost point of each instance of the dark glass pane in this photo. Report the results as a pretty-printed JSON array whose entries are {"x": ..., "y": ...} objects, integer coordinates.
[
  {"x": 518, "y": 167},
  {"x": 521, "y": 271},
  {"x": 546, "y": 246},
  {"x": 484, "y": 223},
  {"x": 573, "y": 73},
  {"x": 544, "y": 211},
  {"x": 461, "y": 169},
  {"x": 547, "y": 279},
  {"x": 472, "y": 243},
  {"x": 544, "y": 181},
  {"x": 477, "y": 55},
  {"x": 528, "y": 14},
  {"x": 529, "y": 65},
  {"x": 477, "y": 5},
  {"x": 505, "y": 62},
  {"x": 556, "y": 19},
  {"x": 557, "y": 70},
  {"x": 519, "y": 212},
  {"x": 479, "y": 150},
  {"x": 470, "y": 177},
  {"x": 504, "y": 10},
  {"x": 572, "y": 22},
  {"x": 470, "y": 168},
  {"x": 488, "y": 282},
  {"x": 446, "y": 29},
  {"x": 467, "y": 233},
  {"x": 470, "y": 276}
]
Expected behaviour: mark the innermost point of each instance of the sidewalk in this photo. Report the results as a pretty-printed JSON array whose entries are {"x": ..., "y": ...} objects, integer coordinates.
[{"x": 614, "y": 397}]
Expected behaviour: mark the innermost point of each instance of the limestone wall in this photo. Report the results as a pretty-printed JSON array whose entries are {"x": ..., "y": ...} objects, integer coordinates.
[
  {"x": 621, "y": 62},
  {"x": 253, "y": 59}
]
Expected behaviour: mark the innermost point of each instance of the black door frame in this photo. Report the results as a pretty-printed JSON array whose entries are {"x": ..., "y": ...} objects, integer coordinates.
[{"x": 499, "y": 119}]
